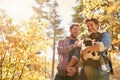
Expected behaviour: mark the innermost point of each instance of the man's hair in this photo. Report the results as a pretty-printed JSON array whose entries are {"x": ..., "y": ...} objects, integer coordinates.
[
  {"x": 75, "y": 24},
  {"x": 92, "y": 19}
]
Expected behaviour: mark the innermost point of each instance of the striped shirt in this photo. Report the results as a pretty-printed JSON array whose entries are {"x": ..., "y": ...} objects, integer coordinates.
[{"x": 64, "y": 47}]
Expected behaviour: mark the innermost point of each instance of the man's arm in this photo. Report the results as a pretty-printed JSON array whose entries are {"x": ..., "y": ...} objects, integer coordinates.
[
  {"x": 105, "y": 42},
  {"x": 75, "y": 58},
  {"x": 71, "y": 69},
  {"x": 64, "y": 47},
  {"x": 101, "y": 46}
]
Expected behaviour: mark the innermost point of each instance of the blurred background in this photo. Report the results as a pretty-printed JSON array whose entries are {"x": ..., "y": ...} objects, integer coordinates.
[{"x": 30, "y": 30}]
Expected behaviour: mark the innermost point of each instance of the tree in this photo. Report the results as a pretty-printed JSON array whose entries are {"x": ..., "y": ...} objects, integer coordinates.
[
  {"x": 18, "y": 47},
  {"x": 108, "y": 14},
  {"x": 106, "y": 11},
  {"x": 47, "y": 11},
  {"x": 50, "y": 15}
]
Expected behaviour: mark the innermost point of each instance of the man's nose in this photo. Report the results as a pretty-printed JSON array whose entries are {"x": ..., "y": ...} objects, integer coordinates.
[
  {"x": 89, "y": 27},
  {"x": 76, "y": 31}
]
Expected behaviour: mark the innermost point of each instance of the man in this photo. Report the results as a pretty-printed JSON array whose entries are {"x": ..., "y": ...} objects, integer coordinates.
[
  {"x": 66, "y": 48},
  {"x": 91, "y": 68}
]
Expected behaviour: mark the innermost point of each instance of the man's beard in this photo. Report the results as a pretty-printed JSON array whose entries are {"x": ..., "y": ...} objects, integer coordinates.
[{"x": 73, "y": 36}]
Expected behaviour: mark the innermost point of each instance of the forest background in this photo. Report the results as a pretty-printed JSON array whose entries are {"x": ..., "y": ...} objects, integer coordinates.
[{"x": 28, "y": 43}]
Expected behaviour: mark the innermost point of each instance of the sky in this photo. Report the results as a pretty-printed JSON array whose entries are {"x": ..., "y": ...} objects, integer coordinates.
[
  {"x": 18, "y": 9},
  {"x": 65, "y": 11},
  {"x": 21, "y": 10}
]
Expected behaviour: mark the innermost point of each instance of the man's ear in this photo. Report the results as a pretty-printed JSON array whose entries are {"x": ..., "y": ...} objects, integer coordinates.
[
  {"x": 70, "y": 30},
  {"x": 97, "y": 27}
]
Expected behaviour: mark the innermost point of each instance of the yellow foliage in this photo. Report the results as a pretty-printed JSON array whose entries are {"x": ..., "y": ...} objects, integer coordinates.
[
  {"x": 118, "y": 36},
  {"x": 43, "y": 23},
  {"x": 18, "y": 52},
  {"x": 117, "y": 29},
  {"x": 110, "y": 9}
]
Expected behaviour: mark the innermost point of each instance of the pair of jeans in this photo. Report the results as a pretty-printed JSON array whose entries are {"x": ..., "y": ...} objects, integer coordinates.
[{"x": 105, "y": 77}]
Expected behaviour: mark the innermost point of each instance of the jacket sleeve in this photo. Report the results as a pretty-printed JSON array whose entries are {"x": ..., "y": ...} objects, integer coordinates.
[
  {"x": 105, "y": 42},
  {"x": 64, "y": 47},
  {"x": 77, "y": 53}
]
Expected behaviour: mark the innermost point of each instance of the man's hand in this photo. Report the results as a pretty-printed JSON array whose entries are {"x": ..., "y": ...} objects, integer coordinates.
[
  {"x": 76, "y": 44},
  {"x": 71, "y": 71},
  {"x": 80, "y": 43}
]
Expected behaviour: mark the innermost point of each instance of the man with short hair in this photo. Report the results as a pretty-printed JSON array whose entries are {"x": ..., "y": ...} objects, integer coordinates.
[
  {"x": 66, "y": 48},
  {"x": 92, "y": 70}
]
